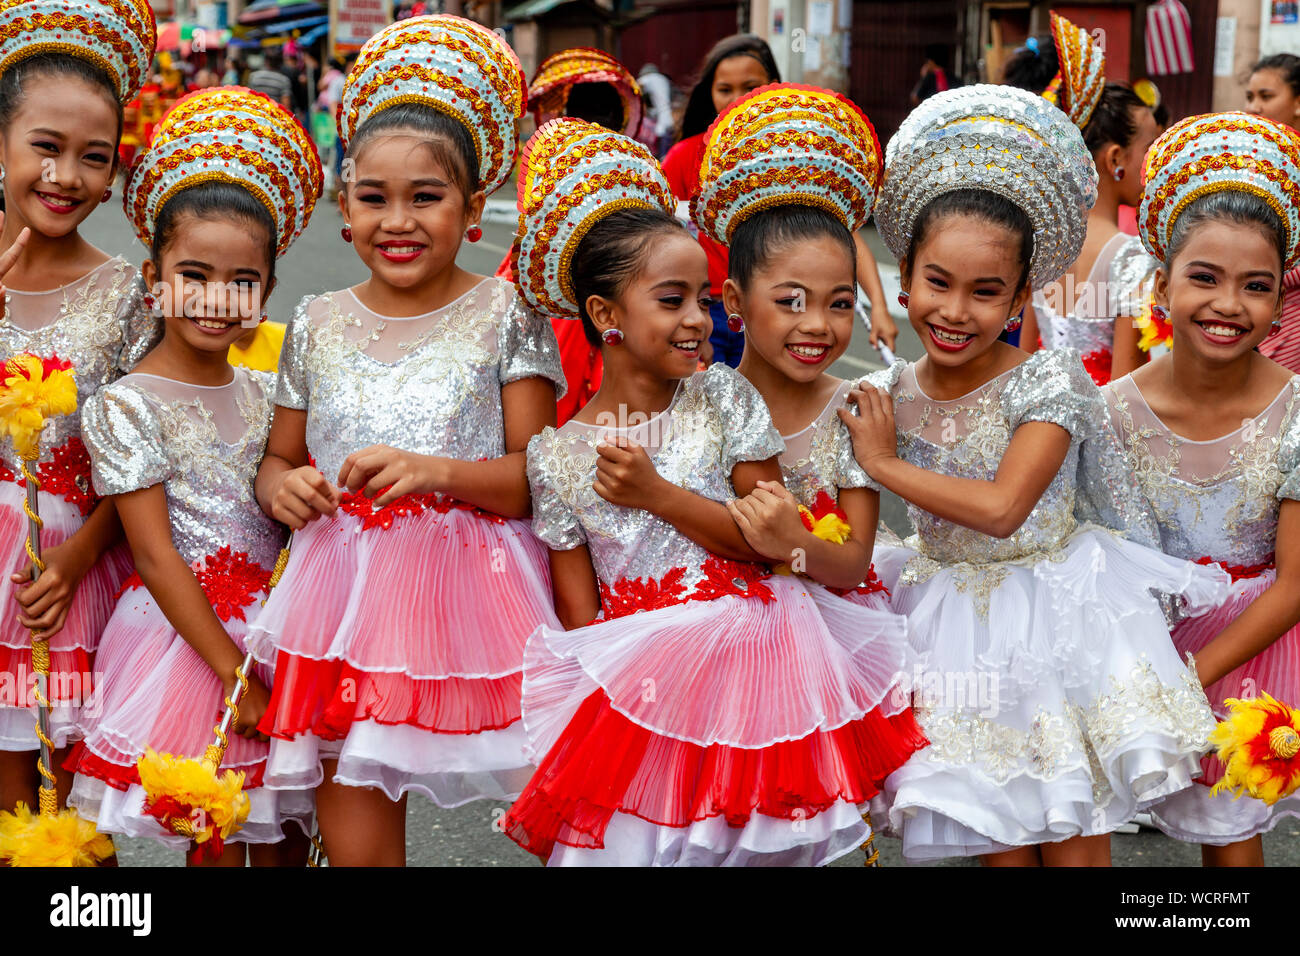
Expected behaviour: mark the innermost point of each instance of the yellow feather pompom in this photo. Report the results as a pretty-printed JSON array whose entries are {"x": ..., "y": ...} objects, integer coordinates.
[
  {"x": 34, "y": 390},
  {"x": 62, "y": 839},
  {"x": 189, "y": 797},
  {"x": 1259, "y": 746},
  {"x": 829, "y": 527}
]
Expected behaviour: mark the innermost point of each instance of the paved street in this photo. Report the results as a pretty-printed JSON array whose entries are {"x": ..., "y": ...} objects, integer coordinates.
[{"x": 466, "y": 837}]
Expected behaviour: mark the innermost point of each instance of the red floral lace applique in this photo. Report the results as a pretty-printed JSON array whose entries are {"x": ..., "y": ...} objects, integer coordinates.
[
  {"x": 1097, "y": 364},
  {"x": 872, "y": 585},
  {"x": 67, "y": 475},
  {"x": 628, "y": 597},
  {"x": 7, "y": 474},
  {"x": 358, "y": 505},
  {"x": 1239, "y": 571},
  {"x": 723, "y": 576},
  {"x": 231, "y": 582}
]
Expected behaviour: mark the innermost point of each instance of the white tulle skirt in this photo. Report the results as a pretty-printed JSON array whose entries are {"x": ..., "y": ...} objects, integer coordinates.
[{"x": 1054, "y": 701}]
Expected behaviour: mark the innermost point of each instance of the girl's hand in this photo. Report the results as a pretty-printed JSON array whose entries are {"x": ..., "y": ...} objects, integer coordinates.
[
  {"x": 872, "y": 429},
  {"x": 378, "y": 467},
  {"x": 46, "y": 601},
  {"x": 252, "y": 707},
  {"x": 883, "y": 328},
  {"x": 10, "y": 257},
  {"x": 302, "y": 496},
  {"x": 625, "y": 475},
  {"x": 769, "y": 519}
]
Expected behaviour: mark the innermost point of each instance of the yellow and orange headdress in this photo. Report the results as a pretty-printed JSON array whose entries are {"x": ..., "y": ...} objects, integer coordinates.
[
  {"x": 560, "y": 73},
  {"x": 1078, "y": 84}
]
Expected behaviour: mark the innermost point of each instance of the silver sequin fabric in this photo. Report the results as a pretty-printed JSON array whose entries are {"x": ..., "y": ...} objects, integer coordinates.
[
  {"x": 98, "y": 323},
  {"x": 820, "y": 457},
  {"x": 440, "y": 394},
  {"x": 967, "y": 437},
  {"x": 1215, "y": 499},
  {"x": 716, "y": 420},
  {"x": 204, "y": 445}
]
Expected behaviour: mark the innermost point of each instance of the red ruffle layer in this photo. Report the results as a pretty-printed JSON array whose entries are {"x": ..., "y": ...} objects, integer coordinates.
[
  {"x": 605, "y": 763},
  {"x": 326, "y": 697},
  {"x": 70, "y": 676},
  {"x": 88, "y": 764}
]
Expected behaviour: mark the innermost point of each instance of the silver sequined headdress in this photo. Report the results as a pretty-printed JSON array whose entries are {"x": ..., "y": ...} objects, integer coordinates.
[{"x": 998, "y": 138}]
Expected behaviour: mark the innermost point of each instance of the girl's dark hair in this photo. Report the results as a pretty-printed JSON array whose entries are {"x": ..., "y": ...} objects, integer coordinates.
[
  {"x": 984, "y": 205},
  {"x": 1112, "y": 121},
  {"x": 214, "y": 201},
  {"x": 597, "y": 103},
  {"x": 1288, "y": 64},
  {"x": 447, "y": 139},
  {"x": 1227, "y": 205},
  {"x": 13, "y": 83},
  {"x": 612, "y": 253},
  {"x": 761, "y": 236},
  {"x": 1032, "y": 69},
  {"x": 699, "y": 108}
]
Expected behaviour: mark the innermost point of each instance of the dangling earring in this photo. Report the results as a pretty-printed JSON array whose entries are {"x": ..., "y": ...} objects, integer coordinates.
[
  {"x": 1012, "y": 324},
  {"x": 903, "y": 299},
  {"x": 735, "y": 322},
  {"x": 612, "y": 336},
  {"x": 1160, "y": 313},
  {"x": 151, "y": 304},
  {"x": 108, "y": 194},
  {"x": 263, "y": 318},
  {"x": 346, "y": 232},
  {"x": 474, "y": 233},
  {"x": 1118, "y": 174},
  {"x": 1277, "y": 327}
]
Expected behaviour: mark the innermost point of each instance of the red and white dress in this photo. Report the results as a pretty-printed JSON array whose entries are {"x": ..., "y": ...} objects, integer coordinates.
[
  {"x": 714, "y": 714},
  {"x": 99, "y": 324},
  {"x": 1217, "y": 502},
  {"x": 204, "y": 446},
  {"x": 398, "y": 633}
]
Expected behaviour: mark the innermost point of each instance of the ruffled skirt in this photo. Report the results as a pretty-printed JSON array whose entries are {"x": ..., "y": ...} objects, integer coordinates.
[
  {"x": 156, "y": 691},
  {"x": 1054, "y": 701},
  {"x": 1193, "y": 815},
  {"x": 399, "y": 652},
  {"x": 72, "y": 650},
  {"x": 728, "y": 732}
]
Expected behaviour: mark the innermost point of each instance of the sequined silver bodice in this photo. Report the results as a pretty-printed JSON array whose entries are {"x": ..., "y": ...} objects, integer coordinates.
[
  {"x": 968, "y": 436},
  {"x": 716, "y": 420},
  {"x": 203, "y": 444},
  {"x": 98, "y": 323},
  {"x": 1215, "y": 499},
  {"x": 820, "y": 457},
  {"x": 430, "y": 384},
  {"x": 1116, "y": 285}
]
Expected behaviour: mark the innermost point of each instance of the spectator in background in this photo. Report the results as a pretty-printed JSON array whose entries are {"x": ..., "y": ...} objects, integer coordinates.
[
  {"x": 934, "y": 75},
  {"x": 234, "y": 75},
  {"x": 659, "y": 92},
  {"x": 270, "y": 80},
  {"x": 295, "y": 71},
  {"x": 1273, "y": 91},
  {"x": 1033, "y": 66}
]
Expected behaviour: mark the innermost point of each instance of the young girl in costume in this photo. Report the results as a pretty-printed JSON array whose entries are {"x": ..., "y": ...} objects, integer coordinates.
[
  {"x": 1093, "y": 306},
  {"x": 177, "y": 443},
  {"x": 404, "y": 406},
  {"x": 792, "y": 287},
  {"x": 1213, "y": 435},
  {"x": 1055, "y": 706},
  {"x": 713, "y": 714},
  {"x": 65, "y": 71}
]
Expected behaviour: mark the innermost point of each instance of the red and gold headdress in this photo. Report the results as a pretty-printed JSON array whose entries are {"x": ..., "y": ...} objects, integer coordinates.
[
  {"x": 573, "y": 174},
  {"x": 234, "y": 135},
  {"x": 788, "y": 144},
  {"x": 118, "y": 36},
  {"x": 1078, "y": 84},
  {"x": 455, "y": 66},
  {"x": 559, "y": 74},
  {"x": 1217, "y": 151}
]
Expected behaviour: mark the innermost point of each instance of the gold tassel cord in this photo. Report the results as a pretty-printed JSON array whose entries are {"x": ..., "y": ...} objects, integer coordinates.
[
  {"x": 47, "y": 794},
  {"x": 869, "y": 845}
]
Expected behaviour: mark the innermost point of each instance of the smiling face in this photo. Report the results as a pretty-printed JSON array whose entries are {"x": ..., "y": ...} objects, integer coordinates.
[
  {"x": 1269, "y": 95},
  {"x": 407, "y": 215},
  {"x": 213, "y": 277},
  {"x": 798, "y": 307},
  {"x": 1222, "y": 290},
  {"x": 59, "y": 153},
  {"x": 662, "y": 311},
  {"x": 734, "y": 77},
  {"x": 963, "y": 284}
]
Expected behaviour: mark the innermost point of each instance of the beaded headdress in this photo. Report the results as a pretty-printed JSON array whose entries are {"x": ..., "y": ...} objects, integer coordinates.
[
  {"x": 1078, "y": 84},
  {"x": 1002, "y": 139},
  {"x": 118, "y": 36},
  {"x": 229, "y": 134},
  {"x": 559, "y": 74},
  {"x": 572, "y": 174},
  {"x": 1205, "y": 154},
  {"x": 787, "y": 144},
  {"x": 455, "y": 66}
]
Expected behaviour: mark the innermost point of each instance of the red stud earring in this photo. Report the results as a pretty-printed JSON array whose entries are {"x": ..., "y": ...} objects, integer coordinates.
[
  {"x": 346, "y": 233},
  {"x": 108, "y": 194},
  {"x": 1118, "y": 174},
  {"x": 903, "y": 299},
  {"x": 1160, "y": 312},
  {"x": 735, "y": 322},
  {"x": 612, "y": 336},
  {"x": 474, "y": 233}
]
